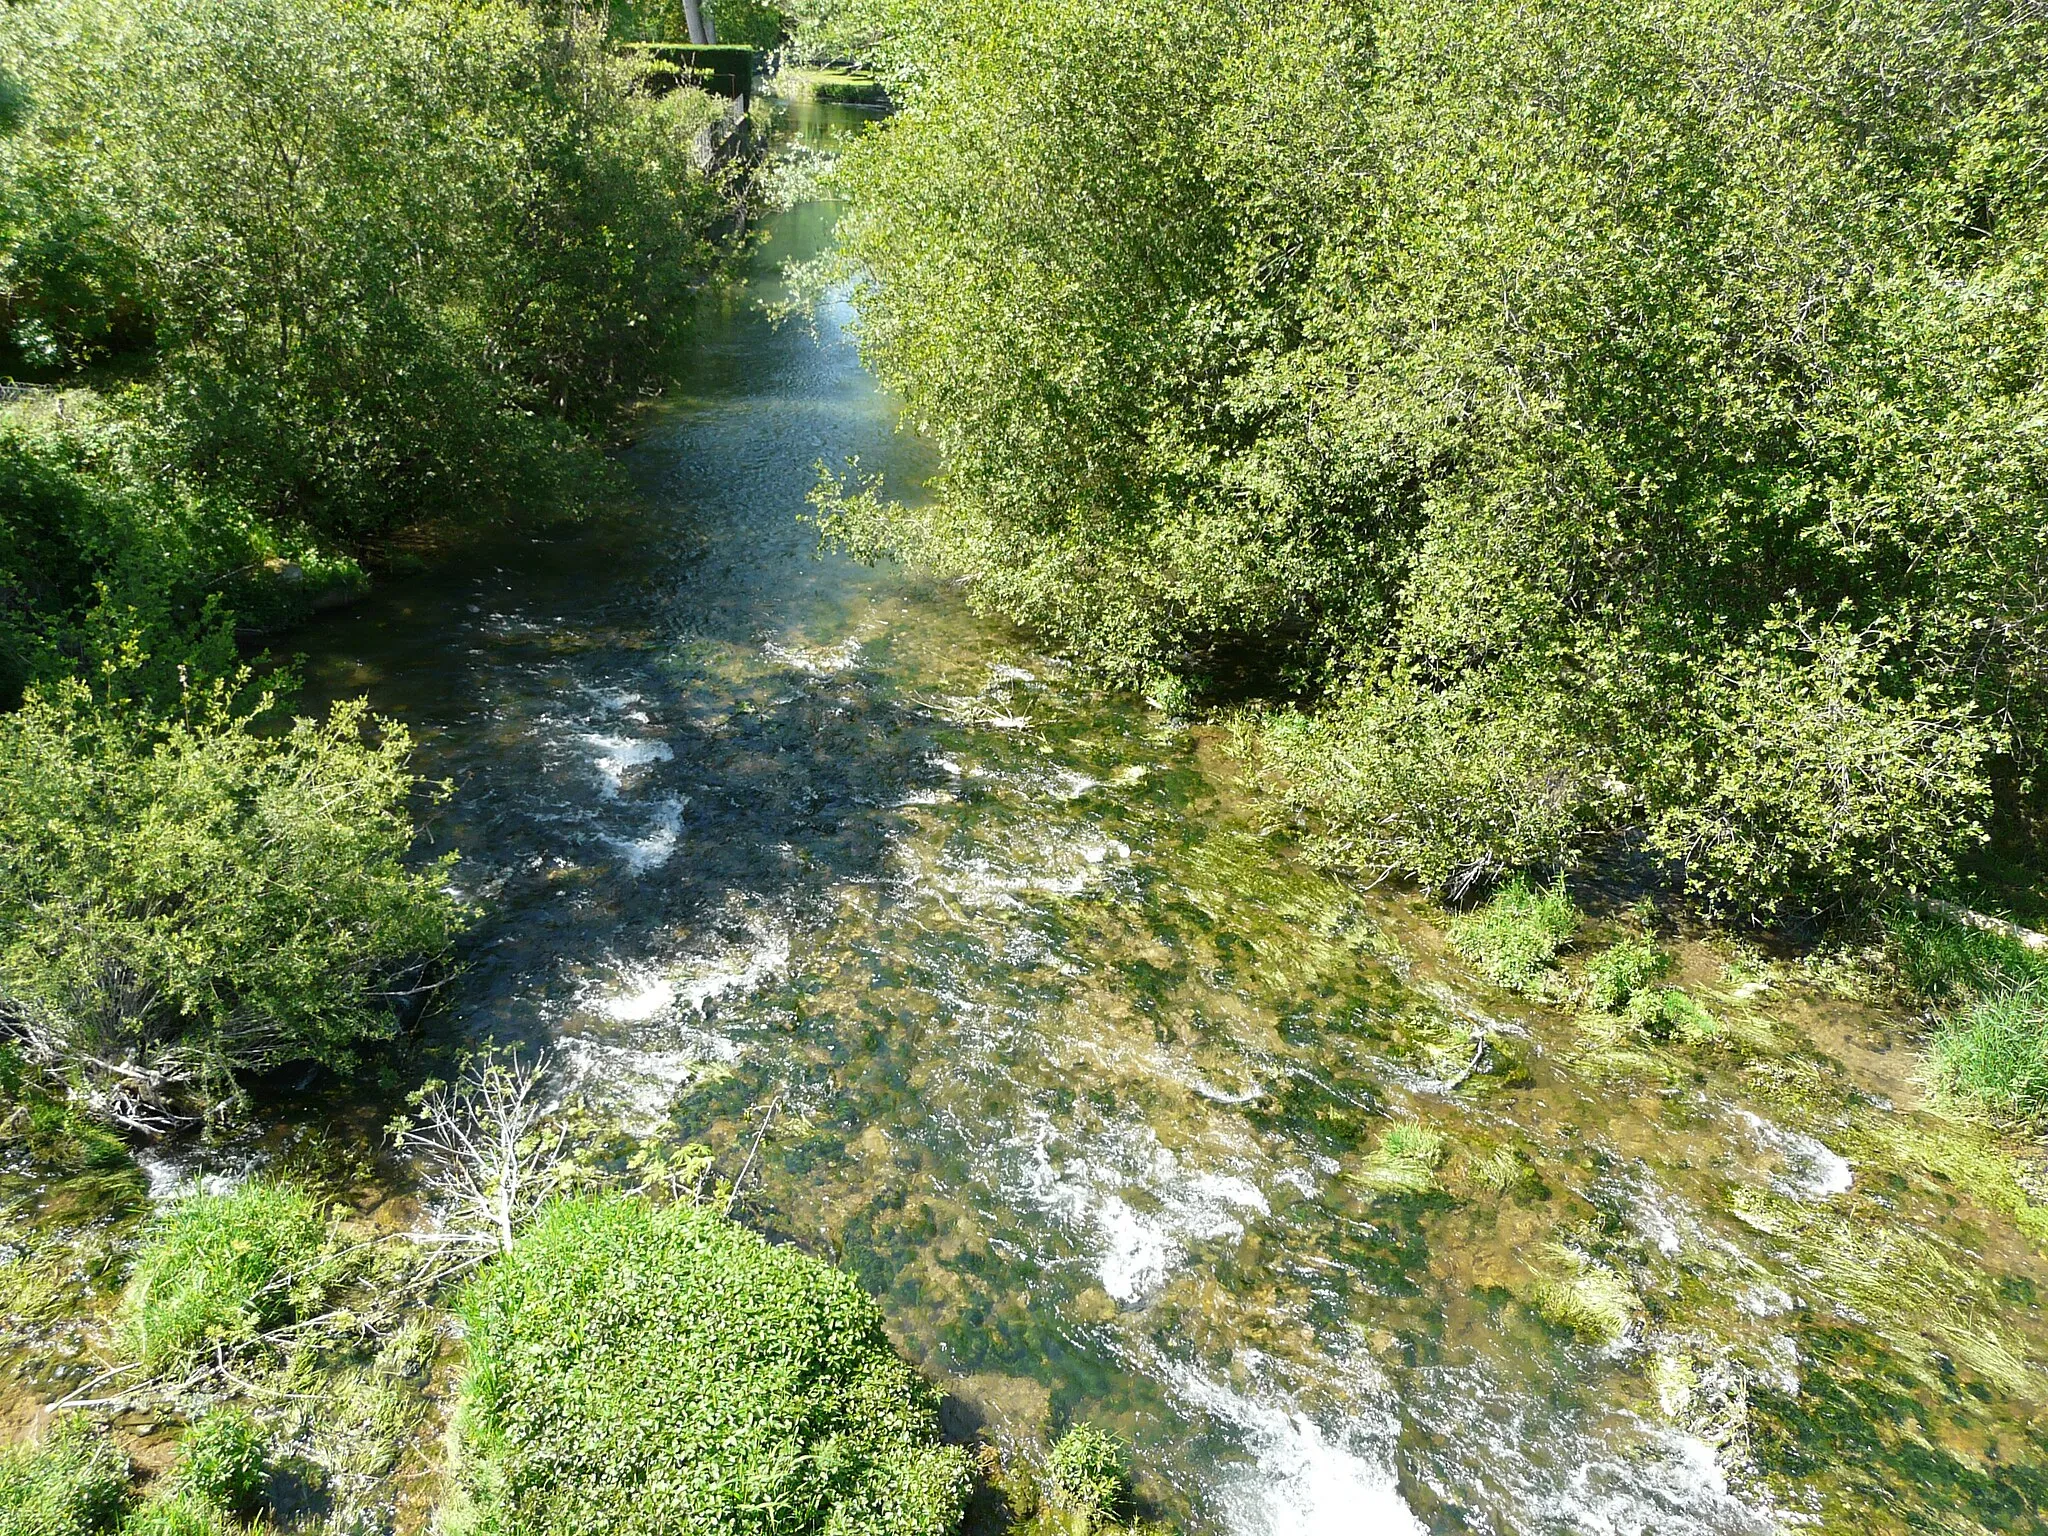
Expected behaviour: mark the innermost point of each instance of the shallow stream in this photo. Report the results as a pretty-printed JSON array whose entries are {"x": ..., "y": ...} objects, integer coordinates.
[{"x": 1087, "y": 1074}]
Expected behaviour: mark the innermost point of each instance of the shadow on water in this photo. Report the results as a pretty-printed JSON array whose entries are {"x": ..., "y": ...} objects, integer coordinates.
[{"x": 1089, "y": 1082}]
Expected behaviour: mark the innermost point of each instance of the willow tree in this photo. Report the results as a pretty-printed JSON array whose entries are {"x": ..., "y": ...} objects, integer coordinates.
[{"x": 1563, "y": 419}]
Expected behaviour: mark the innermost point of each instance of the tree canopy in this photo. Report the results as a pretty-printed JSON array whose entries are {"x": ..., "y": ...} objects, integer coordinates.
[{"x": 1562, "y": 419}]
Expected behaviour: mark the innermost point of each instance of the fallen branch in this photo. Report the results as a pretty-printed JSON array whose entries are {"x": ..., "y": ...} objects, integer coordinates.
[
  {"x": 2037, "y": 942},
  {"x": 1478, "y": 1050}
]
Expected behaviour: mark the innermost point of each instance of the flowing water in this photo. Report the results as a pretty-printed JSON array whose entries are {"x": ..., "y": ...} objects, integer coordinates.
[{"x": 1086, "y": 1076}]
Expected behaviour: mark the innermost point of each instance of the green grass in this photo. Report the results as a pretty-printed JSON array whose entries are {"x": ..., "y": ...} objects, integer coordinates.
[
  {"x": 178, "y": 1515},
  {"x": 1940, "y": 961},
  {"x": 635, "y": 1370},
  {"x": 71, "y": 1483},
  {"x": 1405, "y": 1160},
  {"x": 1668, "y": 1013},
  {"x": 1585, "y": 1297},
  {"x": 1992, "y": 1055},
  {"x": 222, "y": 1463},
  {"x": 214, "y": 1271},
  {"x": 1504, "y": 1170},
  {"x": 1619, "y": 972},
  {"x": 1514, "y": 938},
  {"x": 1989, "y": 1050}
]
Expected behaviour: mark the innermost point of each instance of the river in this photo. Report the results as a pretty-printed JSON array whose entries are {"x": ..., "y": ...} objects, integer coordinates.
[{"x": 1085, "y": 1071}]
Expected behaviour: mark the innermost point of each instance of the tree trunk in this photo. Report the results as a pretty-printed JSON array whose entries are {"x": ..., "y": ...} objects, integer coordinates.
[{"x": 700, "y": 24}]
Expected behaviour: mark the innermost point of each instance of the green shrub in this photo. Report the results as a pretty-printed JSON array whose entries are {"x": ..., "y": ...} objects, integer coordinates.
[
  {"x": 1992, "y": 1054},
  {"x": 1453, "y": 787},
  {"x": 1619, "y": 972},
  {"x": 215, "y": 1270},
  {"x": 222, "y": 1463},
  {"x": 204, "y": 893},
  {"x": 1514, "y": 938},
  {"x": 1669, "y": 1013},
  {"x": 1665, "y": 478},
  {"x": 637, "y": 1370},
  {"x": 1087, "y": 1477},
  {"x": 1811, "y": 778},
  {"x": 72, "y": 1483},
  {"x": 494, "y": 236}
]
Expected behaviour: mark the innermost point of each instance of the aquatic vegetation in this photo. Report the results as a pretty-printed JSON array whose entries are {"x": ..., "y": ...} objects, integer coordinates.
[
  {"x": 216, "y": 1271},
  {"x": 1584, "y": 1296},
  {"x": 1405, "y": 1159},
  {"x": 72, "y": 1482},
  {"x": 1921, "y": 1295},
  {"x": 222, "y": 1463},
  {"x": 1515, "y": 936},
  {"x": 1087, "y": 1478},
  {"x": 649, "y": 1368},
  {"x": 1703, "y": 1391},
  {"x": 1671, "y": 1013},
  {"x": 1964, "y": 1155},
  {"x": 1615, "y": 975},
  {"x": 1884, "y": 1428},
  {"x": 1504, "y": 1170}
]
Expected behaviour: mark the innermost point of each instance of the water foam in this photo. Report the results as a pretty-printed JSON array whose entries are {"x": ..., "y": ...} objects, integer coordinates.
[
  {"x": 1813, "y": 1170},
  {"x": 1306, "y": 1481},
  {"x": 815, "y": 662},
  {"x": 618, "y": 757},
  {"x": 692, "y": 985},
  {"x": 1136, "y": 1208},
  {"x": 659, "y": 845}
]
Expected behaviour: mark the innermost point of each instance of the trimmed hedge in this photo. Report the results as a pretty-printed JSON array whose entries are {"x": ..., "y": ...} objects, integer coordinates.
[{"x": 635, "y": 1370}]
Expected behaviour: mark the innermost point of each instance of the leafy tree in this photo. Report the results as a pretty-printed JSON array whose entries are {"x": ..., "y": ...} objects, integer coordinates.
[
  {"x": 1587, "y": 419},
  {"x": 385, "y": 250}
]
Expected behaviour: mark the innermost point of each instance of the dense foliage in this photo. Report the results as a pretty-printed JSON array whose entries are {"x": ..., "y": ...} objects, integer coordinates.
[
  {"x": 1988, "y": 994},
  {"x": 635, "y": 1369},
  {"x": 1592, "y": 417},
  {"x": 214, "y": 1271},
  {"x": 74, "y": 1482},
  {"x": 223, "y": 1464},
  {"x": 295, "y": 273},
  {"x": 1086, "y": 1477},
  {"x": 71, "y": 1483},
  {"x": 181, "y": 897},
  {"x": 382, "y": 248}
]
